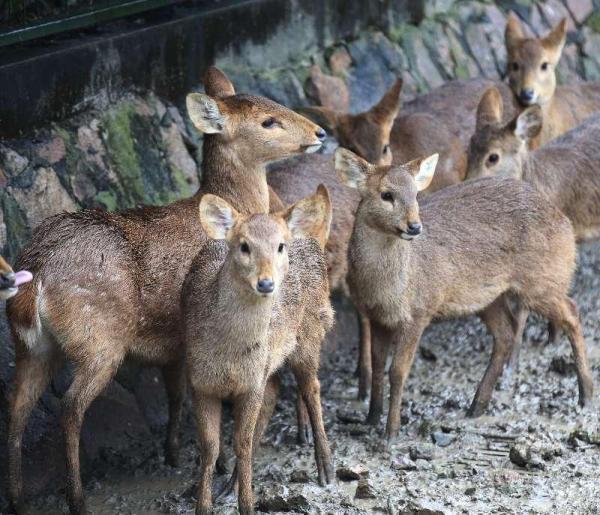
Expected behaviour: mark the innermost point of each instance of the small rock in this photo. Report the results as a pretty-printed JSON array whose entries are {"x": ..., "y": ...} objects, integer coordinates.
[
  {"x": 427, "y": 354},
  {"x": 584, "y": 436},
  {"x": 520, "y": 455},
  {"x": 442, "y": 439},
  {"x": 299, "y": 476},
  {"x": 470, "y": 490},
  {"x": 404, "y": 463},
  {"x": 350, "y": 416},
  {"x": 365, "y": 490},
  {"x": 422, "y": 452},
  {"x": 563, "y": 366},
  {"x": 580, "y": 9},
  {"x": 352, "y": 473},
  {"x": 279, "y": 498}
]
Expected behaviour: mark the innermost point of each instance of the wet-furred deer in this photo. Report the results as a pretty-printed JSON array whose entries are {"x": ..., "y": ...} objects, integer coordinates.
[{"x": 107, "y": 285}]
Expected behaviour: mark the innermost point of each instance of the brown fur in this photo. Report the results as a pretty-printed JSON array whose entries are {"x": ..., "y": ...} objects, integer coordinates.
[
  {"x": 513, "y": 239},
  {"x": 108, "y": 284},
  {"x": 236, "y": 338},
  {"x": 531, "y": 65},
  {"x": 564, "y": 170}
]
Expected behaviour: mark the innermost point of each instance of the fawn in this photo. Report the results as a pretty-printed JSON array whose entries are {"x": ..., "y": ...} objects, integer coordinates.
[
  {"x": 107, "y": 285},
  {"x": 10, "y": 281},
  {"x": 457, "y": 252},
  {"x": 531, "y": 71},
  {"x": 249, "y": 303}
]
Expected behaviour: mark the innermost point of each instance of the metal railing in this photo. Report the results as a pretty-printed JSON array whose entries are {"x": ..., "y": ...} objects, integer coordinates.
[{"x": 24, "y": 20}]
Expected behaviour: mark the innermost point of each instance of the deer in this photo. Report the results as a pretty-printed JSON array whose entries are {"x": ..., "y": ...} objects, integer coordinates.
[
  {"x": 386, "y": 133},
  {"x": 531, "y": 72},
  {"x": 457, "y": 252},
  {"x": 256, "y": 296},
  {"x": 10, "y": 281},
  {"x": 107, "y": 284}
]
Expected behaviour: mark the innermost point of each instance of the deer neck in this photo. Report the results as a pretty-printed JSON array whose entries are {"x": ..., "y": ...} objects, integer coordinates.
[
  {"x": 245, "y": 315},
  {"x": 239, "y": 181}
]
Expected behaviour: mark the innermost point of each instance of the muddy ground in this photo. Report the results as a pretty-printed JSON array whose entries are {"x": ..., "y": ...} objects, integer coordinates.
[{"x": 535, "y": 451}]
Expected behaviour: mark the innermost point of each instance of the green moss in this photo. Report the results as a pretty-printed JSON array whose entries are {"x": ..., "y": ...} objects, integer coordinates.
[
  {"x": 17, "y": 229},
  {"x": 180, "y": 183},
  {"x": 121, "y": 150},
  {"x": 108, "y": 199},
  {"x": 594, "y": 22}
]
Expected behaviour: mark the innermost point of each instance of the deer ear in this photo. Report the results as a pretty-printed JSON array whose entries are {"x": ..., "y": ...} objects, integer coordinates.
[
  {"x": 205, "y": 113},
  {"x": 529, "y": 123},
  {"x": 513, "y": 33},
  {"x": 216, "y": 83},
  {"x": 217, "y": 216},
  {"x": 351, "y": 169},
  {"x": 423, "y": 169},
  {"x": 310, "y": 217},
  {"x": 387, "y": 108},
  {"x": 555, "y": 41},
  {"x": 490, "y": 108}
]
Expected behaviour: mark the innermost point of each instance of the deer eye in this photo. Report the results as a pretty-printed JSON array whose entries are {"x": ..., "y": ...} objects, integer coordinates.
[
  {"x": 244, "y": 248},
  {"x": 386, "y": 149},
  {"x": 515, "y": 67},
  {"x": 493, "y": 158},
  {"x": 545, "y": 66},
  {"x": 269, "y": 123},
  {"x": 281, "y": 247},
  {"x": 387, "y": 196}
]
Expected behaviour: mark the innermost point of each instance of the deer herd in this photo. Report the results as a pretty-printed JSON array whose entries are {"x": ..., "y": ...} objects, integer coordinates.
[{"x": 467, "y": 200}]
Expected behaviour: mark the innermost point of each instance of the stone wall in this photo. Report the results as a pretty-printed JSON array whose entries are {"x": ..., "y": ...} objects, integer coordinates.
[{"x": 141, "y": 149}]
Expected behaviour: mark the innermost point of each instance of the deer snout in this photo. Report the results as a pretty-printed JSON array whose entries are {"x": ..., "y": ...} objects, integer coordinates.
[
  {"x": 266, "y": 285},
  {"x": 527, "y": 95},
  {"x": 414, "y": 228},
  {"x": 7, "y": 280}
]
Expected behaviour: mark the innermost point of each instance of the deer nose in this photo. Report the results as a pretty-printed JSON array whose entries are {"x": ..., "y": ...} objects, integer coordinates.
[
  {"x": 321, "y": 134},
  {"x": 7, "y": 280},
  {"x": 265, "y": 286},
  {"x": 526, "y": 95},
  {"x": 414, "y": 229}
]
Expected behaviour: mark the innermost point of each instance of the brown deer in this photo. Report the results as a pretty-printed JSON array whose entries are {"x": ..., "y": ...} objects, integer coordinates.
[
  {"x": 531, "y": 71},
  {"x": 442, "y": 119},
  {"x": 565, "y": 170},
  {"x": 10, "y": 281},
  {"x": 408, "y": 266},
  {"x": 107, "y": 285},
  {"x": 251, "y": 303}
]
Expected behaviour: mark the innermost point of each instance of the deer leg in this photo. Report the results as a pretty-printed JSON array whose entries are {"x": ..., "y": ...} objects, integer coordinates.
[
  {"x": 266, "y": 411},
  {"x": 310, "y": 389},
  {"x": 246, "y": 411},
  {"x": 381, "y": 338},
  {"x": 207, "y": 411},
  {"x": 174, "y": 379},
  {"x": 91, "y": 377},
  {"x": 564, "y": 314},
  {"x": 304, "y": 436},
  {"x": 519, "y": 320},
  {"x": 33, "y": 373},
  {"x": 499, "y": 321},
  {"x": 404, "y": 354},
  {"x": 364, "y": 357}
]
